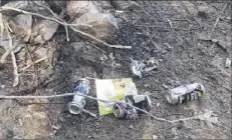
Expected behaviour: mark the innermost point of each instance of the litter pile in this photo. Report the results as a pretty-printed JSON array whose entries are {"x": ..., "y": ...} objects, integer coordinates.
[
  {"x": 119, "y": 96},
  {"x": 30, "y": 34}
]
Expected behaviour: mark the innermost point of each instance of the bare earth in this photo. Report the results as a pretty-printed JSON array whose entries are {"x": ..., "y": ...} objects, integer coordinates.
[{"x": 184, "y": 54}]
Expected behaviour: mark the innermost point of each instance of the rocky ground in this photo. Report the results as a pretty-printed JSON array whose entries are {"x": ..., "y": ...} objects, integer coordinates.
[{"x": 180, "y": 35}]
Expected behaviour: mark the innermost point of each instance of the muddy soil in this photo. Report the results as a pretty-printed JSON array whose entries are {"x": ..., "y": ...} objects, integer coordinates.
[{"x": 164, "y": 30}]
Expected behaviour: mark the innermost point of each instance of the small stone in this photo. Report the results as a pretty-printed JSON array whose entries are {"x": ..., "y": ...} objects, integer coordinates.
[
  {"x": 42, "y": 72},
  {"x": 158, "y": 104},
  {"x": 3, "y": 86},
  {"x": 154, "y": 137},
  {"x": 103, "y": 57},
  {"x": 160, "y": 60},
  {"x": 111, "y": 56},
  {"x": 131, "y": 127},
  {"x": 147, "y": 93},
  {"x": 43, "y": 31},
  {"x": 214, "y": 40},
  {"x": 90, "y": 136},
  {"x": 165, "y": 86},
  {"x": 55, "y": 127},
  {"x": 77, "y": 45},
  {"x": 177, "y": 83},
  {"x": 228, "y": 18},
  {"x": 228, "y": 63},
  {"x": 146, "y": 85}
]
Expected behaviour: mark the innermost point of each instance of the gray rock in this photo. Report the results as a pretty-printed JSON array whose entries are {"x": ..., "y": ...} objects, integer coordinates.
[
  {"x": 21, "y": 26},
  {"x": 24, "y": 5},
  {"x": 76, "y": 9},
  {"x": 103, "y": 25},
  {"x": 43, "y": 31},
  {"x": 77, "y": 45}
]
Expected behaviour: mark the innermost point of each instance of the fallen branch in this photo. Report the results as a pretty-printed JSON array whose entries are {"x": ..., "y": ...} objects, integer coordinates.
[
  {"x": 98, "y": 41},
  {"x": 14, "y": 63},
  {"x": 57, "y": 17},
  {"x": 80, "y": 33},
  {"x": 217, "y": 20},
  {"x": 5, "y": 8},
  {"x": 16, "y": 75},
  {"x": 93, "y": 98}
]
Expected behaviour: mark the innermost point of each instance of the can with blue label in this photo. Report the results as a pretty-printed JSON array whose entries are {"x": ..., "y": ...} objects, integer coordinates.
[{"x": 79, "y": 102}]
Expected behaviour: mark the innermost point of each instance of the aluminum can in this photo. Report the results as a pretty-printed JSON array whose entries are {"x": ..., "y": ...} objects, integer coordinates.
[
  {"x": 185, "y": 93},
  {"x": 79, "y": 102}
]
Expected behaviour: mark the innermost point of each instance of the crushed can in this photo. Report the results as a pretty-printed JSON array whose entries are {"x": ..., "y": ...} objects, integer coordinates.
[
  {"x": 124, "y": 111},
  {"x": 185, "y": 93},
  {"x": 79, "y": 102}
]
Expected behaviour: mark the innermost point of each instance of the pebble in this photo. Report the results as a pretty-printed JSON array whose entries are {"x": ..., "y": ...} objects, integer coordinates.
[
  {"x": 77, "y": 45},
  {"x": 146, "y": 85},
  {"x": 165, "y": 86},
  {"x": 147, "y": 93},
  {"x": 214, "y": 40},
  {"x": 131, "y": 127},
  {"x": 90, "y": 137},
  {"x": 158, "y": 104},
  {"x": 154, "y": 137},
  {"x": 111, "y": 56},
  {"x": 3, "y": 86},
  {"x": 228, "y": 63}
]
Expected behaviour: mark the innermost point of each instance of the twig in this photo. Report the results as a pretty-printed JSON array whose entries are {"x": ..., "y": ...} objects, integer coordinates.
[
  {"x": 98, "y": 41},
  {"x": 14, "y": 63},
  {"x": 37, "y": 61},
  {"x": 4, "y": 8},
  {"x": 217, "y": 20},
  {"x": 33, "y": 64},
  {"x": 96, "y": 47},
  {"x": 66, "y": 28},
  {"x": 101, "y": 100},
  {"x": 16, "y": 75},
  {"x": 90, "y": 113},
  {"x": 80, "y": 33},
  {"x": 67, "y": 34}
]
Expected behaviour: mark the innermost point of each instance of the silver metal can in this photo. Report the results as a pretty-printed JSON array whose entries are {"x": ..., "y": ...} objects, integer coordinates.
[
  {"x": 78, "y": 102},
  {"x": 185, "y": 93}
]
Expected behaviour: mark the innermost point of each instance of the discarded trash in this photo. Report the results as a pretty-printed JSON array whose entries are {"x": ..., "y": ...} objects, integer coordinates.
[
  {"x": 113, "y": 90},
  {"x": 141, "y": 68},
  {"x": 78, "y": 103},
  {"x": 124, "y": 111},
  {"x": 185, "y": 93},
  {"x": 228, "y": 63}
]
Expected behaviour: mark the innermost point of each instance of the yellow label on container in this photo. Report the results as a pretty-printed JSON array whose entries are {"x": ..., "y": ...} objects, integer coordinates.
[{"x": 113, "y": 90}]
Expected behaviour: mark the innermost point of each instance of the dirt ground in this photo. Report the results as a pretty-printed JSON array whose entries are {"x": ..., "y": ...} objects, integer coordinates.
[{"x": 184, "y": 56}]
